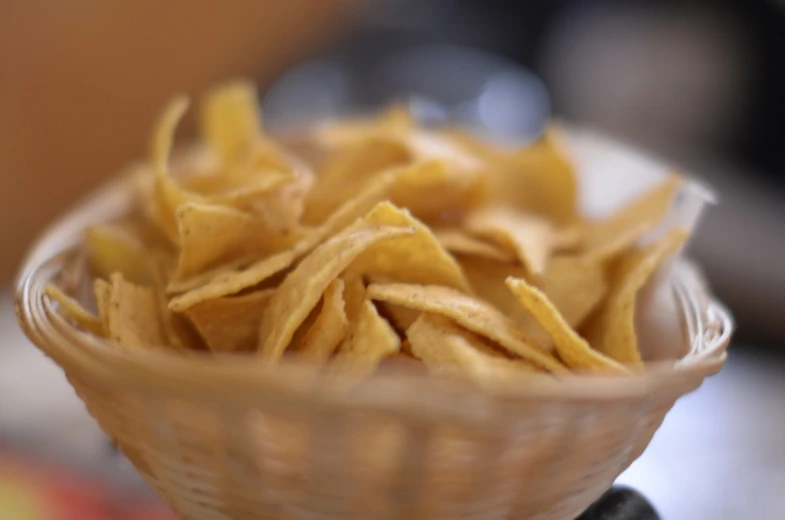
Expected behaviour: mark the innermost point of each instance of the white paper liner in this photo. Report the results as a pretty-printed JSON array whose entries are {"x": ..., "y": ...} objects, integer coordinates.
[{"x": 610, "y": 173}]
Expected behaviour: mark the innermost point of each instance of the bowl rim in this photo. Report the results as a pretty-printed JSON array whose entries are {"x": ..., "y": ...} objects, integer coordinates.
[{"x": 232, "y": 380}]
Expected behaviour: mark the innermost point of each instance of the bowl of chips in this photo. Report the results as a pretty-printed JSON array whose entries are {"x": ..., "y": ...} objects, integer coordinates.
[{"x": 371, "y": 318}]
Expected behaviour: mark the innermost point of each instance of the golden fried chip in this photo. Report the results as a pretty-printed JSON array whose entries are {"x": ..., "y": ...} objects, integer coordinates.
[
  {"x": 540, "y": 179},
  {"x": 230, "y": 324},
  {"x": 231, "y": 121},
  {"x": 572, "y": 349},
  {"x": 231, "y": 281},
  {"x": 74, "y": 310},
  {"x": 411, "y": 259},
  {"x": 329, "y": 328},
  {"x": 111, "y": 249},
  {"x": 532, "y": 238},
  {"x": 459, "y": 242},
  {"x": 609, "y": 237},
  {"x": 103, "y": 297},
  {"x": 396, "y": 119},
  {"x": 353, "y": 295},
  {"x": 346, "y": 174},
  {"x": 178, "y": 331},
  {"x": 168, "y": 195},
  {"x": 611, "y": 330},
  {"x": 133, "y": 319},
  {"x": 301, "y": 290},
  {"x": 575, "y": 286},
  {"x": 370, "y": 340},
  {"x": 437, "y": 189},
  {"x": 475, "y": 315},
  {"x": 212, "y": 235}
]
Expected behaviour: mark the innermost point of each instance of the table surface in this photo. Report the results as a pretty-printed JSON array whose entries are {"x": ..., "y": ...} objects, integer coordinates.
[{"x": 720, "y": 453}]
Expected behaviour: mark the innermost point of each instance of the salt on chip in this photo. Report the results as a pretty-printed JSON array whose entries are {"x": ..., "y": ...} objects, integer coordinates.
[
  {"x": 303, "y": 287},
  {"x": 611, "y": 330},
  {"x": 231, "y": 323},
  {"x": 531, "y": 237},
  {"x": 411, "y": 259},
  {"x": 540, "y": 179},
  {"x": 371, "y": 339},
  {"x": 612, "y": 235},
  {"x": 231, "y": 281},
  {"x": 74, "y": 310},
  {"x": 111, "y": 249},
  {"x": 572, "y": 349},
  {"x": 133, "y": 319},
  {"x": 575, "y": 286},
  {"x": 459, "y": 242},
  {"x": 329, "y": 328},
  {"x": 475, "y": 315}
]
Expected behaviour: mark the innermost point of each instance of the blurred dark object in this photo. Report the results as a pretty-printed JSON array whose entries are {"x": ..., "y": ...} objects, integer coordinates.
[{"x": 621, "y": 503}]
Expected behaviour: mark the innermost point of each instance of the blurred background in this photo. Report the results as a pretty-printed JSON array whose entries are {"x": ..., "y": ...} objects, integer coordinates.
[{"x": 696, "y": 82}]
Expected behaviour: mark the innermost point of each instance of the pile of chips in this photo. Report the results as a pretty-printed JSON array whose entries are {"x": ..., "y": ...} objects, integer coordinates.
[{"x": 364, "y": 241}]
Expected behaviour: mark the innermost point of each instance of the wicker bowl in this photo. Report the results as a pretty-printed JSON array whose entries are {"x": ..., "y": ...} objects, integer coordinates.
[{"x": 220, "y": 438}]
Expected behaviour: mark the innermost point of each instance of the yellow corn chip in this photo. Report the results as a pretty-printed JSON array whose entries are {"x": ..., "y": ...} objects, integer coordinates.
[
  {"x": 575, "y": 286},
  {"x": 74, "y": 310},
  {"x": 532, "y": 238},
  {"x": 302, "y": 289},
  {"x": 103, "y": 296},
  {"x": 540, "y": 179},
  {"x": 370, "y": 340},
  {"x": 411, "y": 259},
  {"x": 230, "y": 324},
  {"x": 111, "y": 249},
  {"x": 347, "y": 174},
  {"x": 231, "y": 281},
  {"x": 353, "y": 295},
  {"x": 609, "y": 237},
  {"x": 475, "y": 315},
  {"x": 329, "y": 328},
  {"x": 572, "y": 349},
  {"x": 230, "y": 120},
  {"x": 459, "y": 242},
  {"x": 212, "y": 235},
  {"x": 611, "y": 330},
  {"x": 168, "y": 196},
  {"x": 133, "y": 319},
  {"x": 352, "y": 131},
  {"x": 178, "y": 331},
  {"x": 436, "y": 189}
]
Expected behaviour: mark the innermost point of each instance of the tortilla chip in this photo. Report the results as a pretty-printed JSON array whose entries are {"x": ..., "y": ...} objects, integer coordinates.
[
  {"x": 329, "y": 328},
  {"x": 212, "y": 235},
  {"x": 472, "y": 314},
  {"x": 459, "y": 242},
  {"x": 74, "y": 310},
  {"x": 572, "y": 349},
  {"x": 111, "y": 249},
  {"x": 436, "y": 188},
  {"x": 233, "y": 280},
  {"x": 301, "y": 290},
  {"x": 103, "y": 297},
  {"x": 231, "y": 324},
  {"x": 607, "y": 238},
  {"x": 370, "y": 340},
  {"x": 133, "y": 319},
  {"x": 611, "y": 330},
  {"x": 530, "y": 237},
  {"x": 575, "y": 286},
  {"x": 230, "y": 121},
  {"x": 412, "y": 259},
  {"x": 353, "y": 295},
  {"x": 540, "y": 179}
]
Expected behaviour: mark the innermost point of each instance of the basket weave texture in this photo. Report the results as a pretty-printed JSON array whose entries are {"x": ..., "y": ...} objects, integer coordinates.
[{"x": 221, "y": 438}]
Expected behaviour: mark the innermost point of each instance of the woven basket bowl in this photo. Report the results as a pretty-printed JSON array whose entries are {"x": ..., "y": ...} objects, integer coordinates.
[{"x": 222, "y": 438}]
